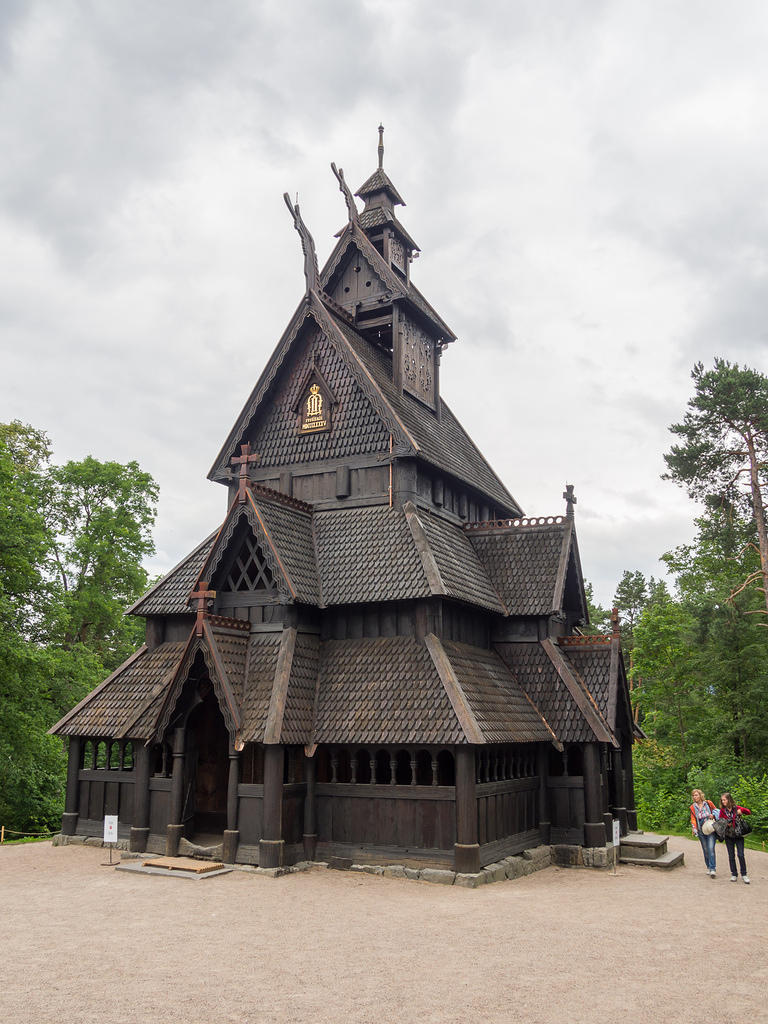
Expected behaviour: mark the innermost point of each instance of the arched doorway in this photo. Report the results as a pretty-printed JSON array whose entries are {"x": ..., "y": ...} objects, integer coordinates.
[{"x": 208, "y": 756}]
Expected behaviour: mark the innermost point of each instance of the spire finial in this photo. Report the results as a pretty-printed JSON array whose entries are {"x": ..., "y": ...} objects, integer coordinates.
[
  {"x": 381, "y": 146},
  {"x": 570, "y": 499}
]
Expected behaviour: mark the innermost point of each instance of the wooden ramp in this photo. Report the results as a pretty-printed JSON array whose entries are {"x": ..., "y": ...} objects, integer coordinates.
[{"x": 195, "y": 867}]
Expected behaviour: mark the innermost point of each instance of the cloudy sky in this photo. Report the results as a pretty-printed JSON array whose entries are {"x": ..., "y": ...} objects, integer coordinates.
[{"x": 586, "y": 179}]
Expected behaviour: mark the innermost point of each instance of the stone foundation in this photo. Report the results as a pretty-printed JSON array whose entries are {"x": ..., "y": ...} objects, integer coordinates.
[{"x": 584, "y": 856}]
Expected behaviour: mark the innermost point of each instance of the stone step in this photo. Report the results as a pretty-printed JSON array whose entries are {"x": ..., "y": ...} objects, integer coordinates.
[
  {"x": 643, "y": 846},
  {"x": 670, "y": 859}
]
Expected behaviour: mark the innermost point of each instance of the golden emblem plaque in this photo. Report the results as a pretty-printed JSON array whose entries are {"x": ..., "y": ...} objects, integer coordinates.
[{"x": 314, "y": 415}]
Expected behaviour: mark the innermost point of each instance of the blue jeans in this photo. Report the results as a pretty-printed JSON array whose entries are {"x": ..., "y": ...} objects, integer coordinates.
[{"x": 708, "y": 846}]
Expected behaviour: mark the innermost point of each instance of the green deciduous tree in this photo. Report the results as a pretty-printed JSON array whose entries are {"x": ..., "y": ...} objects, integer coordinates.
[
  {"x": 723, "y": 449},
  {"x": 72, "y": 542}
]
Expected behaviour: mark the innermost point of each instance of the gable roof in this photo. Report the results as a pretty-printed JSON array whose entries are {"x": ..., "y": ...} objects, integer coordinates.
[
  {"x": 282, "y": 528},
  {"x": 489, "y": 701},
  {"x": 599, "y": 663},
  {"x": 115, "y": 704},
  {"x": 380, "y": 181},
  {"x": 170, "y": 595},
  {"x": 559, "y": 693},
  {"x": 528, "y": 562}
]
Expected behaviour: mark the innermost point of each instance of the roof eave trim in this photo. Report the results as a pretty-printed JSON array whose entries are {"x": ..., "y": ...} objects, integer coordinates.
[
  {"x": 454, "y": 692},
  {"x": 276, "y": 713},
  {"x": 579, "y": 693}
]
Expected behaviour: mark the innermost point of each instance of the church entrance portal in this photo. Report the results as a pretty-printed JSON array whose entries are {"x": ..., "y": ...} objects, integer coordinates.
[{"x": 208, "y": 745}]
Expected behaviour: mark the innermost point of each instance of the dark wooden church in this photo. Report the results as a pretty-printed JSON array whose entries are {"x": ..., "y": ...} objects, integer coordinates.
[{"x": 376, "y": 656}]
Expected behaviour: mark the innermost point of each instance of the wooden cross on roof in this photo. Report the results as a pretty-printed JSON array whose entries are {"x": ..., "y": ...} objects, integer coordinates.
[
  {"x": 570, "y": 499},
  {"x": 244, "y": 460},
  {"x": 202, "y": 595}
]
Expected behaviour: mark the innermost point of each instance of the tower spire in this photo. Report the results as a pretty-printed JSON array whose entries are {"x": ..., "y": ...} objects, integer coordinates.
[{"x": 381, "y": 147}]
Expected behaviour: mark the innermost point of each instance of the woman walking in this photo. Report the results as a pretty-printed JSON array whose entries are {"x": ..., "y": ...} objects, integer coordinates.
[
  {"x": 703, "y": 811},
  {"x": 731, "y": 812}
]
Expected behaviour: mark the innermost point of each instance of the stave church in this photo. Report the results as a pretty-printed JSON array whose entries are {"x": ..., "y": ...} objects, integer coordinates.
[{"x": 375, "y": 656}]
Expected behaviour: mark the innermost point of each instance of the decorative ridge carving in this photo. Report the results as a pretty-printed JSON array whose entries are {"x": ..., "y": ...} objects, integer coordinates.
[
  {"x": 345, "y": 190},
  {"x": 225, "y": 622},
  {"x": 596, "y": 640},
  {"x": 512, "y": 524},
  {"x": 280, "y": 498},
  {"x": 311, "y": 272}
]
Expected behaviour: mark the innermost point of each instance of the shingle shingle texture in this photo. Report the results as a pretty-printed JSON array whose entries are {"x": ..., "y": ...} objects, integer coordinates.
[
  {"x": 291, "y": 533},
  {"x": 300, "y": 700},
  {"x": 367, "y": 554},
  {"x": 383, "y": 690},
  {"x": 499, "y": 706},
  {"x": 522, "y": 563},
  {"x": 535, "y": 672},
  {"x": 462, "y": 573},
  {"x": 110, "y": 709},
  {"x": 593, "y": 664},
  {"x": 357, "y": 428},
  {"x": 169, "y": 596},
  {"x": 262, "y": 663}
]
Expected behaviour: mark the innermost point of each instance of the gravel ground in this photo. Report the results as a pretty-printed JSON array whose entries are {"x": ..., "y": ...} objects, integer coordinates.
[{"x": 81, "y": 943}]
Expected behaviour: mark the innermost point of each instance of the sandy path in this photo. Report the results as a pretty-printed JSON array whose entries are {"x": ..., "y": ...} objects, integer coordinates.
[{"x": 80, "y": 942}]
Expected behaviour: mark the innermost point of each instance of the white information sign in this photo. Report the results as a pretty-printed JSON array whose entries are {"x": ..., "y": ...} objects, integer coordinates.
[
  {"x": 110, "y": 828},
  {"x": 616, "y": 832}
]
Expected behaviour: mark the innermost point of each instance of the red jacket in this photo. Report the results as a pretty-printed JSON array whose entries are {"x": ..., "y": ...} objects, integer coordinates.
[
  {"x": 731, "y": 815},
  {"x": 694, "y": 821}
]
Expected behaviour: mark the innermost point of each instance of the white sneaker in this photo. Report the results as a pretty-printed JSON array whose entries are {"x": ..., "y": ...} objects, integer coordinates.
[
  {"x": 712, "y": 873},
  {"x": 734, "y": 878},
  {"x": 745, "y": 879}
]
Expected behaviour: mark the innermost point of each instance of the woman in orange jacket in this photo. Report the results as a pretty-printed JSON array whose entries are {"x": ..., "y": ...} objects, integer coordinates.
[{"x": 702, "y": 810}]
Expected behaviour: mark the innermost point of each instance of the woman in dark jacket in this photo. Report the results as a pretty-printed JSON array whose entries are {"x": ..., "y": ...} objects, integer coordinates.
[{"x": 731, "y": 812}]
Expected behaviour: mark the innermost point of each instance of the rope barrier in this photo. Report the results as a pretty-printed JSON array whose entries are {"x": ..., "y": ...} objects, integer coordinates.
[{"x": 12, "y": 832}]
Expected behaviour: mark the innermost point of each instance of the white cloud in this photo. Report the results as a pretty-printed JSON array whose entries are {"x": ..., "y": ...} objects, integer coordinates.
[{"x": 586, "y": 181}]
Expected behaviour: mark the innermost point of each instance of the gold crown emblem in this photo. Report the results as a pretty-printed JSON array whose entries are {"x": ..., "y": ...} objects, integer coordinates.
[{"x": 314, "y": 390}]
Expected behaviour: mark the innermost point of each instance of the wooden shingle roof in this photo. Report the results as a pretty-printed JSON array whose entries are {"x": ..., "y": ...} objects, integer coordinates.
[
  {"x": 526, "y": 560},
  {"x": 114, "y": 708},
  {"x": 382, "y": 690},
  {"x": 169, "y": 596}
]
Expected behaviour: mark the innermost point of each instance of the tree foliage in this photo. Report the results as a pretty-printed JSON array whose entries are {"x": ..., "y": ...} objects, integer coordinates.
[
  {"x": 723, "y": 450},
  {"x": 72, "y": 542}
]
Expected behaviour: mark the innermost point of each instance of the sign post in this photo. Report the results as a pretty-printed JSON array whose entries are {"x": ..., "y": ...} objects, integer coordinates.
[
  {"x": 616, "y": 842},
  {"x": 110, "y": 835}
]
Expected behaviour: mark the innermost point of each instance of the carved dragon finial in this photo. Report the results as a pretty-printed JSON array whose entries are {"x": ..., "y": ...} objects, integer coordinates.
[
  {"x": 381, "y": 147},
  {"x": 349, "y": 199},
  {"x": 311, "y": 272}
]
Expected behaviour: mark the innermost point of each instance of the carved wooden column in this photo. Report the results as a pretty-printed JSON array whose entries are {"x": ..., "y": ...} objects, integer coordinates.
[
  {"x": 140, "y": 825},
  {"x": 542, "y": 767},
  {"x": 594, "y": 826},
  {"x": 175, "y": 827},
  {"x": 271, "y": 844},
  {"x": 231, "y": 834},
  {"x": 466, "y": 851},
  {"x": 629, "y": 785},
  {"x": 310, "y": 813},
  {"x": 605, "y": 792},
  {"x": 71, "y": 800},
  {"x": 617, "y": 797}
]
